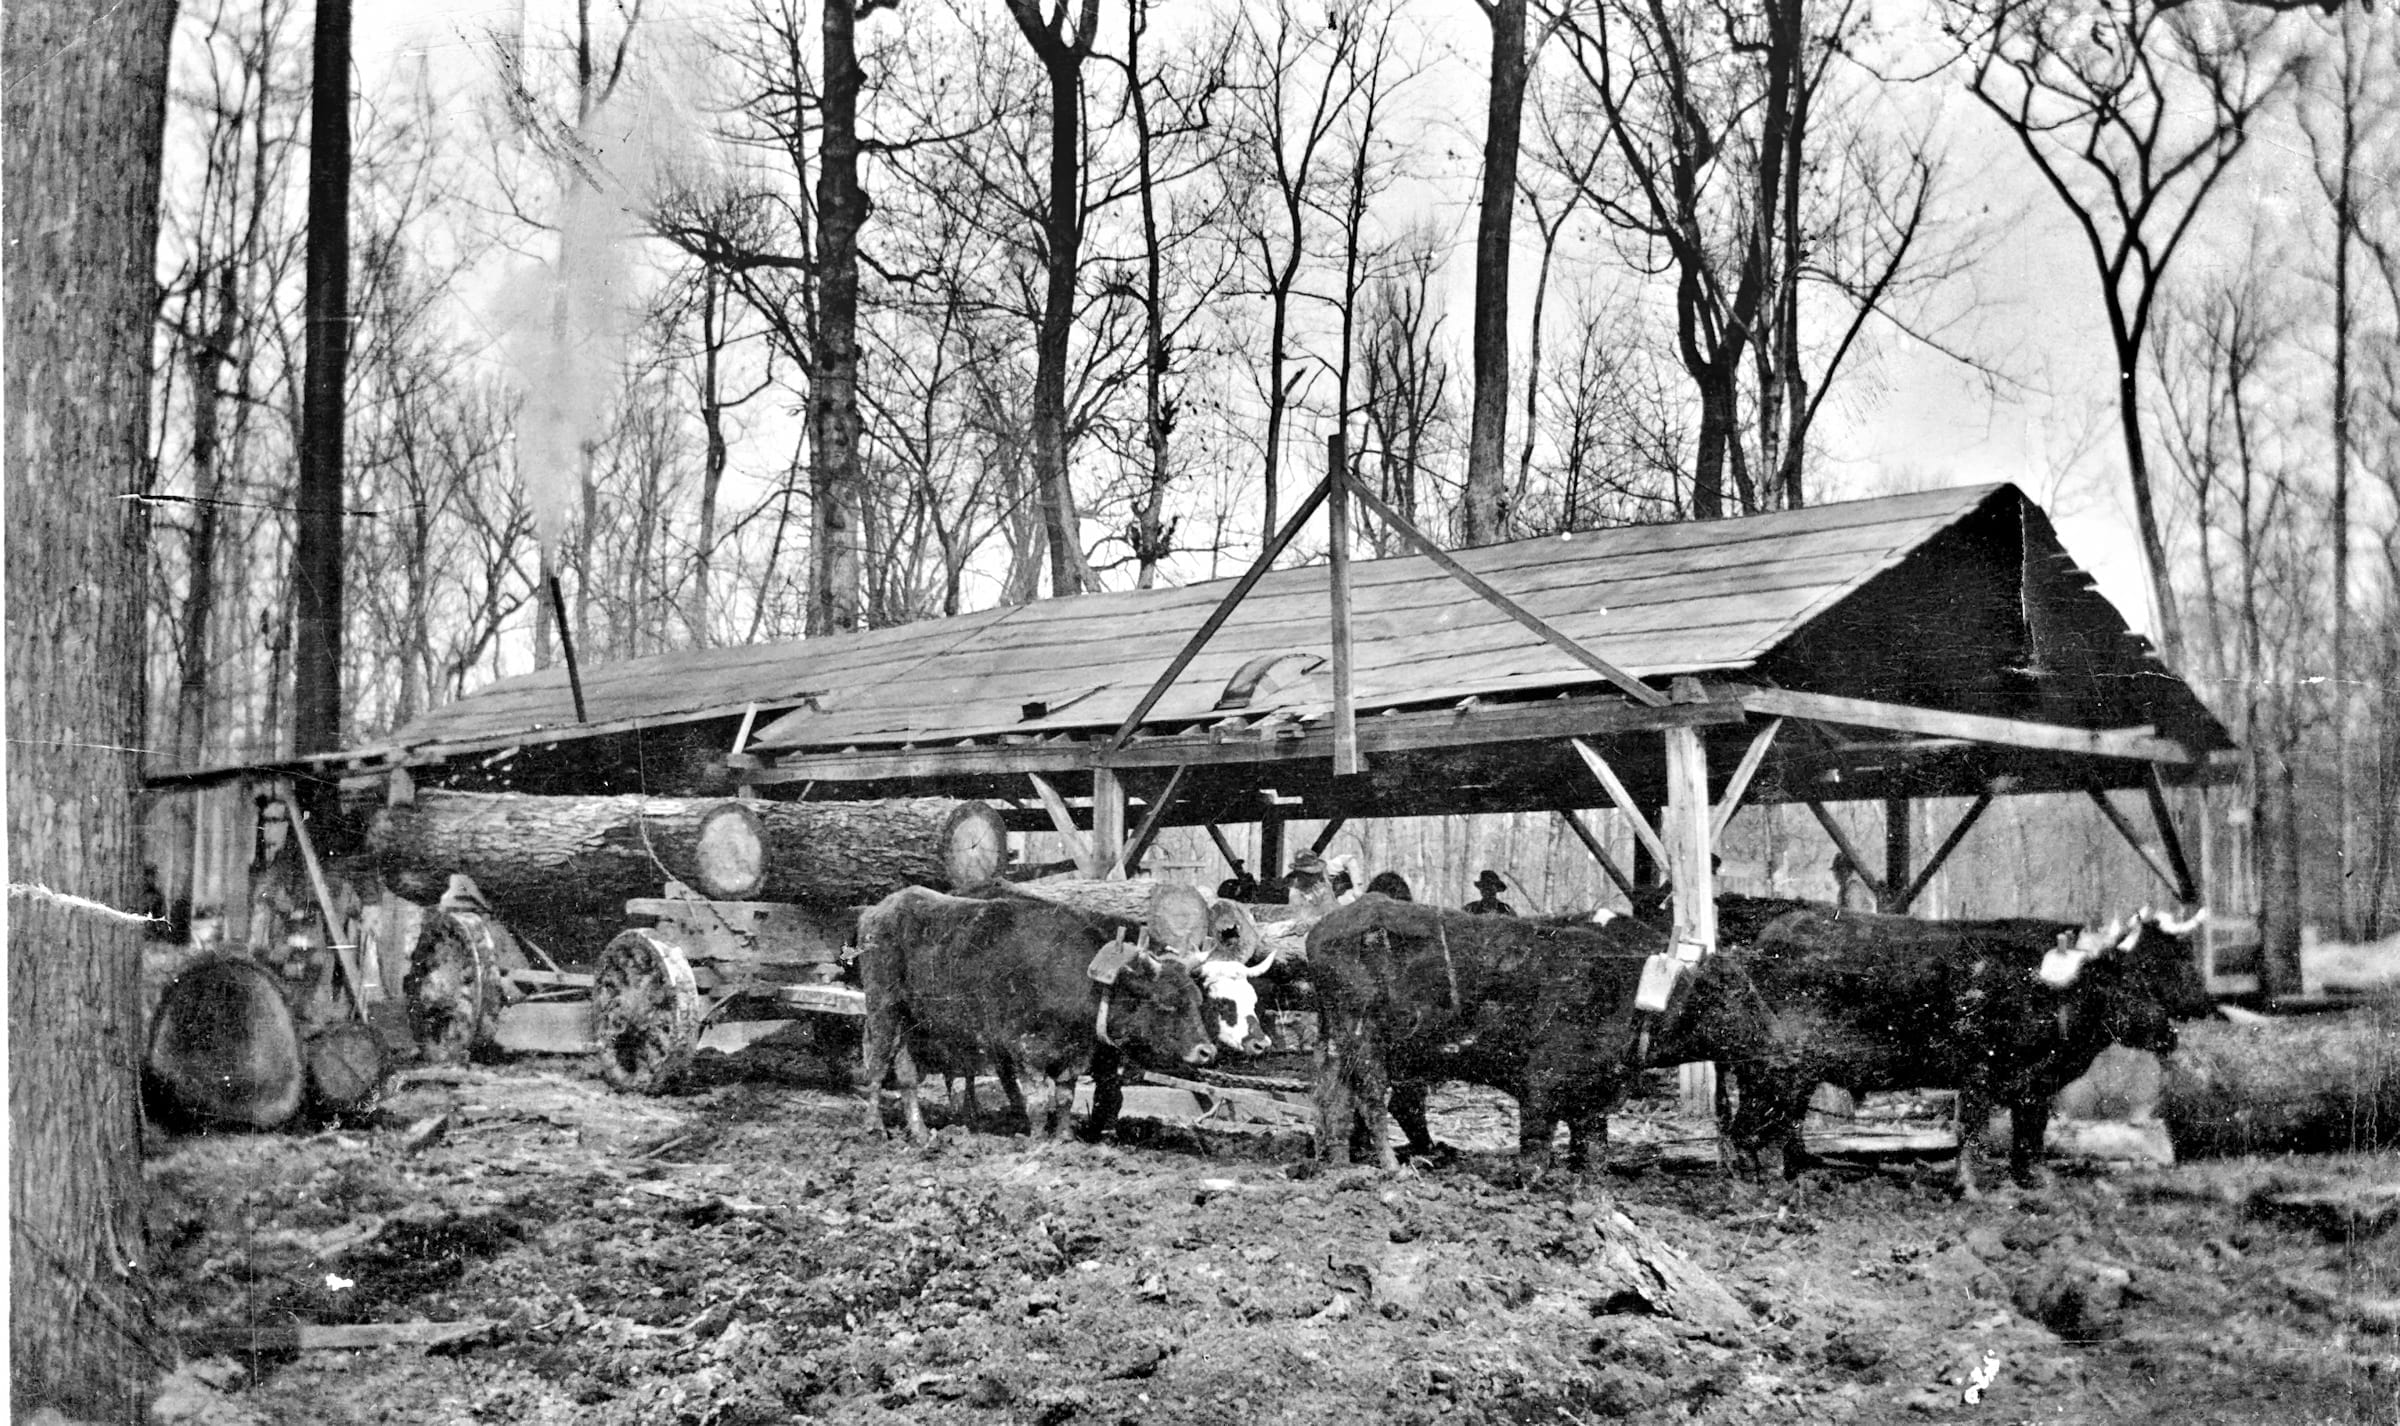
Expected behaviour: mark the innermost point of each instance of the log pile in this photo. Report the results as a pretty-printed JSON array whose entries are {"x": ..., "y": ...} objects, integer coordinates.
[
  {"x": 2314, "y": 1083},
  {"x": 542, "y": 860}
]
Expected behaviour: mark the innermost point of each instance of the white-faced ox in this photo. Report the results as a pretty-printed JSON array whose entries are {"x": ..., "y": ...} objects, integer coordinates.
[
  {"x": 2006, "y": 1013},
  {"x": 959, "y": 982}
]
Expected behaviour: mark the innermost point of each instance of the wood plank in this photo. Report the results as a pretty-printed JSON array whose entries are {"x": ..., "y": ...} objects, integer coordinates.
[
  {"x": 2187, "y": 888},
  {"x": 545, "y": 1027},
  {"x": 1152, "y": 821},
  {"x": 1106, "y": 851},
  {"x": 1976, "y": 727},
  {"x": 1400, "y": 732},
  {"x": 2133, "y": 839},
  {"x": 345, "y": 954},
  {"x": 1337, "y": 583},
  {"x": 1642, "y": 829},
  {"x": 1633, "y": 687},
  {"x": 1941, "y": 854},
  {"x": 1841, "y": 839},
  {"x": 1898, "y": 826},
  {"x": 1063, "y": 820},
  {"x": 1591, "y": 843},
  {"x": 1738, "y": 785},
  {"x": 341, "y": 1337},
  {"x": 1224, "y": 610}
]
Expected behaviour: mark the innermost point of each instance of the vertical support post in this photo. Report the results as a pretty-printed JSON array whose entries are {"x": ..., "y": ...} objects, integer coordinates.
[
  {"x": 1691, "y": 871},
  {"x": 1270, "y": 845},
  {"x": 1337, "y": 557},
  {"x": 1897, "y": 812},
  {"x": 1108, "y": 825}
]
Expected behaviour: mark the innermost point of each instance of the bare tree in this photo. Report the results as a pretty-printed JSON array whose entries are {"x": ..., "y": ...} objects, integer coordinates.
[
  {"x": 1062, "y": 40},
  {"x": 2107, "y": 103},
  {"x": 1481, "y": 519},
  {"x": 84, "y": 108},
  {"x": 1295, "y": 82},
  {"x": 1407, "y": 398}
]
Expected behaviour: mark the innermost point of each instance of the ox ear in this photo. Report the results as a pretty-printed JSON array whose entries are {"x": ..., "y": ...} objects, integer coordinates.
[
  {"x": 1112, "y": 959},
  {"x": 2185, "y": 926}
]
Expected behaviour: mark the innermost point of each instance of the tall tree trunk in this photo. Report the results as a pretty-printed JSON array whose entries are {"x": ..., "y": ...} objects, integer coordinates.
[
  {"x": 714, "y": 454},
  {"x": 2345, "y": 232},
  {"x": 835, "y": 481},
  {"x": 84, "y": 110},
  {"x": 1062, "y": 59},
  {"x": 1151, "y": 532},
  {"x": 2145, "y": 504},
  {"x": 200, "y": 595},
  {"x": 317, "y": 558},
  {"x": 1487, "y": 435}
]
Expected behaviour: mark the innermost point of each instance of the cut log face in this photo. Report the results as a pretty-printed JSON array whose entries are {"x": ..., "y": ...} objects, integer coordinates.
[
  {"x": 730, "y": 858},
  {"x": 538, "y": 860},
  {"x": 345, "y": 1067},
  {"x": 224, "y": 1048}
]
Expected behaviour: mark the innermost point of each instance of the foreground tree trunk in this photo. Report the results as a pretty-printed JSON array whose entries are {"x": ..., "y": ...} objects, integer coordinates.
[
  {"x": 84, "y": 114},
  {"x": 835, "y": 484},
  {"x": 536, "y": 859}
]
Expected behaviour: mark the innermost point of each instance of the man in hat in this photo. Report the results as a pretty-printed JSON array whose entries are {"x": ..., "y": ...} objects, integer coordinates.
[
  {"x": 1306, "y": 884},
  {"x": 1489, "y": 903}
]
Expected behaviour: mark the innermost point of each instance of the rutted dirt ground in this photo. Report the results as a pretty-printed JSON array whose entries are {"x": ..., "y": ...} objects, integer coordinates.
[{"x": 747, "y": 1252}]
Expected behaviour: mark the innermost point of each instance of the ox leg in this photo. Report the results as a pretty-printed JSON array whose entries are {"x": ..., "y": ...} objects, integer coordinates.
[
  {"x": 1408, "y": 1111},
  {"x": 1537, "y": 1125},
  {"x": 1004, "y": 1064},
  {"x": 882, "y": 1042},
  {"x": 912, "y": 1111},
  {"x": 1974, "y": 1109},
  {"x": 2028, "y": 1124},
  {"x": 1108, "y": 1095},
  {"x": 1059, "y": 1118},
  {"x": 1337, "y": 1125}
]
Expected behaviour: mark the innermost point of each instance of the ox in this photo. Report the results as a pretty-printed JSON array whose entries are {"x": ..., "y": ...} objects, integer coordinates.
[
  {"x": 959, "y": 981},
  {"x": 2007, "y": 1013},
  {"x": 1410, "y": 995}
]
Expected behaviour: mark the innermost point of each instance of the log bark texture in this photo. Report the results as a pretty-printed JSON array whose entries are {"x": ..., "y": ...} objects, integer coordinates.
[
  {"x": 540, "y": 860},
  {"x": 2310, "y": 1083},
  {"x": 224, "y": 1049},
  {"x": 1287, "y": 937}
]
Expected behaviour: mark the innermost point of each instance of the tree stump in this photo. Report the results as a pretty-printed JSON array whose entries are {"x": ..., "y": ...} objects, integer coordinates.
[{"x": 224, "y": 1049}]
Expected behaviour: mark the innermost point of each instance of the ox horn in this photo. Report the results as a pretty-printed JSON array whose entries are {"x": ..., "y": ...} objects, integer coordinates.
[
  {"x": 2185, "y": 926},
  {"x": 1255, "y": 971}
]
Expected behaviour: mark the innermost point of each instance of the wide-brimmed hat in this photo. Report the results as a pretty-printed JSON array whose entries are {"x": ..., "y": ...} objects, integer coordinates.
[
  {"x": 1309, "y": 861},
  {"x": 1490, "y": 881}
]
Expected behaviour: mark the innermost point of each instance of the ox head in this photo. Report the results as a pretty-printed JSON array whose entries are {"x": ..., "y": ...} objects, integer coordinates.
[
  {"x": 2128, "y": 982},
  {"x": 1151, "y": 1007},
  {"x": 1232, "y": 1007}
]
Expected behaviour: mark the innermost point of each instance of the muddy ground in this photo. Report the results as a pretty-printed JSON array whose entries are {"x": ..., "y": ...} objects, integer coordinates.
[{"x": 746, "y": 1252}]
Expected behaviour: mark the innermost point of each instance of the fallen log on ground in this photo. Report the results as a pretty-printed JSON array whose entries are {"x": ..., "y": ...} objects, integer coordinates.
[
  {"x": 545, "y": 859},
  {"x": 223, "y": 1049},
  {"x": 2315, "y": 1083}
]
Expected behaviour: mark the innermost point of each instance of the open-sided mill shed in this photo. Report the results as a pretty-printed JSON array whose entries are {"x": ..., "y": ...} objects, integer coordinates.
[{"x": 1938, "y": 644}]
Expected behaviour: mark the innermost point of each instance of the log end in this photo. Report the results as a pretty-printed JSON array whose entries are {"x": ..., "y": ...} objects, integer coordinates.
[
  {"x": 975, "y": 845},
  {"x": 223, "y": 1049}
]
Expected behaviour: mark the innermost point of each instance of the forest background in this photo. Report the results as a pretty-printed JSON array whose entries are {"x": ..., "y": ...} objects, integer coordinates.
[{"x": 1110, "y": 274}]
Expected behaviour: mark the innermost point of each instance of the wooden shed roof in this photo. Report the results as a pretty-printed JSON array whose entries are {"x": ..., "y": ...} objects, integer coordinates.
[{"x": 1958, "y": 601}]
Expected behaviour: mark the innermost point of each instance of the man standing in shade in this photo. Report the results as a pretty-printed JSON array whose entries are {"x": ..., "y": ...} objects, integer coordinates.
[{"x": 1489, "y": 903}]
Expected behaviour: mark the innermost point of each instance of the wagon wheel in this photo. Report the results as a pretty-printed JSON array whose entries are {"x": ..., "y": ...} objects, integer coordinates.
[
  {"x": 646, "y": 1012},
  {"x": 452, "y": 988}
]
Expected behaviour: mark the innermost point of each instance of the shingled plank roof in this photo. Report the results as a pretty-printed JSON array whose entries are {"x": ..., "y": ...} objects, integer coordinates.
[{"x": 1849, "y": 598}]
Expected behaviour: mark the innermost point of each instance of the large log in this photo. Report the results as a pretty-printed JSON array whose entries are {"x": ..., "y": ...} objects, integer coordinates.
[
  {"x": 544, "y": 860},
  {"x": 223, "y": 1049},
  {"x": 2308, "y": 1083},
  {"x": 1287, "y": 937}
]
